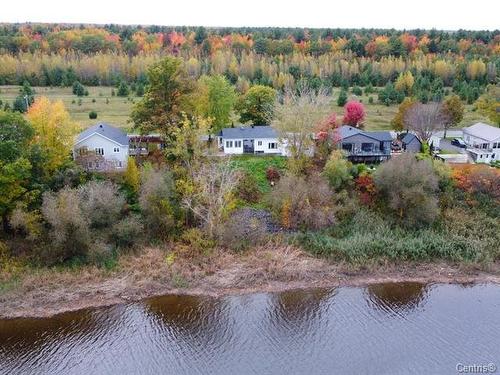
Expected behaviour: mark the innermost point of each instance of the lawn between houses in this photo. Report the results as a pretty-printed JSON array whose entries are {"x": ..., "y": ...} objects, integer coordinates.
[{"x": 117, "y": 110}]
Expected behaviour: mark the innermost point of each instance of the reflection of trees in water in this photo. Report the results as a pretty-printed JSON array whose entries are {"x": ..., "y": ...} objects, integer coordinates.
[
  {"x": 297, "y": 310},
  {"x": 22, "y": 337},
  {"x": 396, "y": 297},
  {"x": 198, "y": 320}
]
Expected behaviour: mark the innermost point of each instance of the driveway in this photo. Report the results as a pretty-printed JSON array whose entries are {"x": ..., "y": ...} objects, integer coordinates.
[{"x": 445, "y": 145}]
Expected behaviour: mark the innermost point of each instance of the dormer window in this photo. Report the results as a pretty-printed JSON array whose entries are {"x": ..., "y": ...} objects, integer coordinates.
[{"x": 116, "y": 149}]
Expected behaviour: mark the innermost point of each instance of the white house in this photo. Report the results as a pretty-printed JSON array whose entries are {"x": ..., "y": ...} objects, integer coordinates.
[
  {"x": 102, "y": 147},
  {"x": 250, "y": 140},
  {"x": 483, "y": 142}
]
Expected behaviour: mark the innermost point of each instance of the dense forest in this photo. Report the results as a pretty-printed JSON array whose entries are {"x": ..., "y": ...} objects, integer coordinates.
[{"x": 59, "y": 55}]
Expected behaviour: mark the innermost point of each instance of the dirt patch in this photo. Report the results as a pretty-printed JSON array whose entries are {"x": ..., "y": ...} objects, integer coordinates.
[{"x": 264, "y": 269}]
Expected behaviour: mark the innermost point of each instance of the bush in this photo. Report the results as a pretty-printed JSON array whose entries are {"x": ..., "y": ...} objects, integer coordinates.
[
  {"x": 101, "y": 202},
  {"x": 78, "y": 89},
  {"x": 357, "y": 91},
  {"x": 122, "y": 90},
  {"x": 196, "y": 241},
  {"x": 92, "y": 115},
  {"x": 70, "y": 229},
  {"x": 27, "y": 223},
  {"x": 408, "y": 189},
  {"x": 155, "y": 201},
  {"x": 242, "y": 231},
  {"x": 301, "y": 204},
  {"x": 272, "y": 175},
  {"x": 127, "y": 232},
  {"x": 370, "y": 100},
  {"x": 247, "y": 188},
  {"x": 338, "y": 170}
]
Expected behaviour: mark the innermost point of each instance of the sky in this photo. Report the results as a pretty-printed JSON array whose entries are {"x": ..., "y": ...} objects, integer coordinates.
[{"x": 423, "y": 14}]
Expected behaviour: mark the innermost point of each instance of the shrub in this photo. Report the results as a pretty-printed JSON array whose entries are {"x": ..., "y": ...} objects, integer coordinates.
[
  {"x": 127, "y": 232},
  {"x": 101, "y": 203},
  {"x": 155, "y": 201},
  {"x": 196, "y": 241},
  {"x": 78, "y": 89},
  {"x": 408, "y": 188},
  {"x": 92, "y": 115},
  {"x": 247, "y": 188},
  {"x": 70, "y": 230},
  {"x": 241, "y": 231},
  {"x": 370, "y": 99},
  {"x": 27, "y": 223},
  {"x": 301, "y": 204},
  {"x": 357, "y": 91},
  {"x": 272, "y": 175},
  {"x": 338, "y": 170},
  {"x": 123, "y": 89}
]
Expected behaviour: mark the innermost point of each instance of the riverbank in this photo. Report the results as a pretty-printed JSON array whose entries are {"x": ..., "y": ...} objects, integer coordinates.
[{"x": 46, "y": 292}]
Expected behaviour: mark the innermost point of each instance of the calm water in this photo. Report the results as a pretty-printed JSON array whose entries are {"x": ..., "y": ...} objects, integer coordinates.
[{"x": 383, "y": 329}]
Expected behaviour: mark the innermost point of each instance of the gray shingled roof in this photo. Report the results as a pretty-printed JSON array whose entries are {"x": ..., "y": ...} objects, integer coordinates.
[
  {"x": 346, "y": 131},
  {"x": 107, "y": 131},
  {"x": 263, "y": 131},
  {"x": 409, "y": 137},
  {"x": 484, "y": 131}
]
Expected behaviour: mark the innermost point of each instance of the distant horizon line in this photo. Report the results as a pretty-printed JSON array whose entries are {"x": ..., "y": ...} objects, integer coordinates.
[{"x": 237, "y": 27}]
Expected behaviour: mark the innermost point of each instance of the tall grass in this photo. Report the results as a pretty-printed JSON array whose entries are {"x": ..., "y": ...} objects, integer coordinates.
[{"x": 367, "y": 235}]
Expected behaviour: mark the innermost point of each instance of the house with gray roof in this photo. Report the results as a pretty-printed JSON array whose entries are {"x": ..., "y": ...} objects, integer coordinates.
[
  {"x": 249, "y": 140},
  {"x": 102, "y": 147},
  {"x": 411, "y": 143},
  {"x": 483, "y": 142},
  {"x": 364, "y": 146}
]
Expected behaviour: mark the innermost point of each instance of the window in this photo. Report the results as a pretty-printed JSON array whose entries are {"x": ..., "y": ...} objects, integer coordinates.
[
  {"x": 237, "y": 143},
  {"x": 120, "y": 163},
  {"x": 496, "y": 145},
  {"x": 347, "y": 147},
  {"x": 485, "y": 145},
  {"x": 229, "y": 144},
  {"x": 367, "y": 147},
  {"x": 99, "y": 151},
  {"x": 259, "y": 143},
  {"x": 272, "y": 145},
  {"x": 116, "y": 149}
]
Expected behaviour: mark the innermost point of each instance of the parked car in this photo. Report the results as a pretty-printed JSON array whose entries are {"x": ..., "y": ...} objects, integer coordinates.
[{"x": 458, "y": 142}]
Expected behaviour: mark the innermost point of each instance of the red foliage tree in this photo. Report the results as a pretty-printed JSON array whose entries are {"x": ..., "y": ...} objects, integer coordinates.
[
  {"x": 325, "y": 127},
  {"x": 354, "y": 113},
  {"x": 366, "y": 189}
]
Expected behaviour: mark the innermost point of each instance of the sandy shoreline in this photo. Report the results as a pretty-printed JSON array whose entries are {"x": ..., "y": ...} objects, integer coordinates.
[{"x": 44, "y": 294}]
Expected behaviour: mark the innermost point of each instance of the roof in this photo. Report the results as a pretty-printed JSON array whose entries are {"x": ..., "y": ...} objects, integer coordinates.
[
  {"x": 346, "y": 131},
  {"x": 484, "y": 131},
  {"x": 108, "y": 131},
  {"x": 262, "y": 131},
  {"x": 409, "y": 138}
]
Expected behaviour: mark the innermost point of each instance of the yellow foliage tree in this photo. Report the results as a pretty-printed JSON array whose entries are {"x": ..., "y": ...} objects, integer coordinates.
[
  {"x": 405, "y": 82},
  {"x": 54, "y": 131},
  {"x": 131, "y": 177}
]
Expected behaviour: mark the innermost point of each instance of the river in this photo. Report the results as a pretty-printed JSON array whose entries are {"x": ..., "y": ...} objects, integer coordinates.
[{"x": 396, "y": 328}]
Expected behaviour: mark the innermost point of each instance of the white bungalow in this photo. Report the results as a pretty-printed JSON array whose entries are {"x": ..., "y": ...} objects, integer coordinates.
[
  {"x": 483, "y": 142},
  {"x": 250, "y": 140},
  {"x": 102, "y": 147}
]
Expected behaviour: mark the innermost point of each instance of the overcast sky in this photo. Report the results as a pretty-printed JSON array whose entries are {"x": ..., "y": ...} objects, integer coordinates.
[{"x": 427, "y": 14}]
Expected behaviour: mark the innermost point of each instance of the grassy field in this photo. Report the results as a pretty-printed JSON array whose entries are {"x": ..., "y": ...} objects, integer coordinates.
[
  {"x": 257, "y": 167},
  {"x": 117, "y": 110}
]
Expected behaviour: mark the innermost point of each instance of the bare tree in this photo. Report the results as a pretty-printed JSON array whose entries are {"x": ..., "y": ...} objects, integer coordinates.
[
  {"x": 296, "y": 118},
  {"x": 212, "y": 196},
  {"x": 425, "y": 119}
]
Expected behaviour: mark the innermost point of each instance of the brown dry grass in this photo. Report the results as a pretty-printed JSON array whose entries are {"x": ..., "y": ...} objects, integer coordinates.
[{"x": 152, "y": 272}]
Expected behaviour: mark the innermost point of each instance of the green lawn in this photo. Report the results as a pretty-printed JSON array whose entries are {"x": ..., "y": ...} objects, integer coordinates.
[
  {"x": 257, "y": 167},
  {"x": 117, "y": 111}
]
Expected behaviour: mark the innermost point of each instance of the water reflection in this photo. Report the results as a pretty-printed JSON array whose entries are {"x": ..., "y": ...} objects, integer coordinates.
[
  {"x": 397, "y": 298},
  {"x": 320, "y": 331}
]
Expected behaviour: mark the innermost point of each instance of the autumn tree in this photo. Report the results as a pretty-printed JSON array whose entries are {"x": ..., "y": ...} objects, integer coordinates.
[
  {"x": 15, "y": 135},
  {"x": 54, "y": 132},
  {"x": 398, "y": 121},
  {"x": 354, "y": 113},
  {"x": 216, "y": 101},
  {"x": 296, "y": 119},
  {"x": 454, "y": 110},
  {"x": 425, "y": 119},
  {"x": 488, "y": 104},
  {"x": 256, "y": 105},
  {"x": 405, "y": 82},
  {"x": 131, "y": 177},
  {"x": 167, "y": 95},
  {"x": 342, "y": 99}
]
